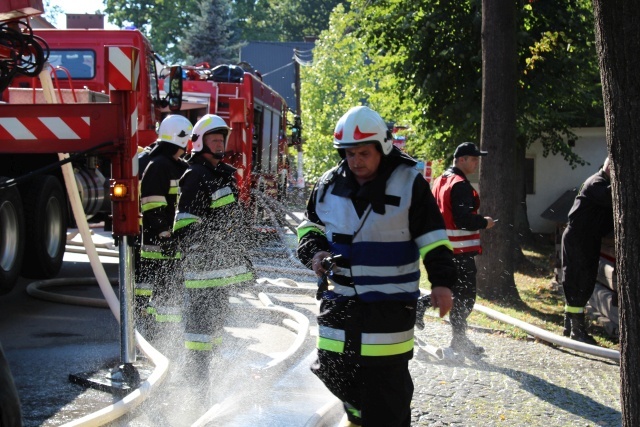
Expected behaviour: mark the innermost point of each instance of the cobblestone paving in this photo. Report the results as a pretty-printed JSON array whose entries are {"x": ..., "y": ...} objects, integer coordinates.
[{"x": 515, "y": 383}]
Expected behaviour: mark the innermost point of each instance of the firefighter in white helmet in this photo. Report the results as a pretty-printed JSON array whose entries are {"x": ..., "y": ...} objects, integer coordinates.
[
  {"x": 158, "y": 201},
  {"x": 211, "y": 228},
  {"x": 370, "y": 222}
]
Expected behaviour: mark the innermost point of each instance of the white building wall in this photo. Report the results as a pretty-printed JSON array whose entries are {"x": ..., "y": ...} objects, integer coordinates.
[{"x": 553, "y": 175}]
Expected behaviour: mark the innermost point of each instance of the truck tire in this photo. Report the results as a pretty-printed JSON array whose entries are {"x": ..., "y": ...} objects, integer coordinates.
[
  {"x": 11, "y": 238},
  {"x": 45, "y": 209}
]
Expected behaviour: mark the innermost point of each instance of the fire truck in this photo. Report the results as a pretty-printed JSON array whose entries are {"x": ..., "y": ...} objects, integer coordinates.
[
  {"x": 257, "y": 145},
  {"x": 94, "y": 118},
  {"x": 257, "y": 114},
  {"x": 79, "y": 69},
  {"x": 84, "y": 66}
]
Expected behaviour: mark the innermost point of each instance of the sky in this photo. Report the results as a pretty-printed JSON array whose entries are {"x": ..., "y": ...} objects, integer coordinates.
[{"x": 78, "y": 6}]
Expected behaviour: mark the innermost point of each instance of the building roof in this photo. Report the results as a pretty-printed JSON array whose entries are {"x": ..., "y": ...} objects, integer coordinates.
[
  {"x": 559, "y": 210},
  {"x": 275, "y": 61}
]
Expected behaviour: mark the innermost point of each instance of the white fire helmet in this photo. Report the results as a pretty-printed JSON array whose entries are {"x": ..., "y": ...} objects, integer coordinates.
[
  {"x": 361, "y": 125},
  {"x": 175, "y": 129},
  {"x": 207, "y": 124}
]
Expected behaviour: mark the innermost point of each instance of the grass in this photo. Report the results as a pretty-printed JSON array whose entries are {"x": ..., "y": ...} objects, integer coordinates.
[{"x": 542, "y": 297}]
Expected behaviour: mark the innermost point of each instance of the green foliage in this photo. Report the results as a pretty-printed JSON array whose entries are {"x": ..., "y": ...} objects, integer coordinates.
[
  {"x": 254, "y": 20},
  {"x": 441, "y": 67},
  {"x": 298, "y": 19},
  {"x": 52, "y": 13},
  {"x": 346, "y": 73},
  {"x": 209, "y": 38},
  {"x": 166, "y": 22},
  {"x": 282, "y": 20},
  {"x": 162, "y": 21}
]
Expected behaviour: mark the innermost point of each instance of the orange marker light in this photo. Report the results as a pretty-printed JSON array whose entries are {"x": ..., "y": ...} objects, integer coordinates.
[{"x": 119, "y": 191}]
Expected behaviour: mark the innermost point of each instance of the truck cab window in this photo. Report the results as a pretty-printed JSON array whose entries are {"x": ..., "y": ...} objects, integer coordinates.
[{"x": 79, "y": 63}]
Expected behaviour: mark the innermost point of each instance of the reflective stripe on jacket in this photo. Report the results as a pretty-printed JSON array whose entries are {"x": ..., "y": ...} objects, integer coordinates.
[
  {"x": 461, "y": 240},
  {"x": 384, "y": 259}
]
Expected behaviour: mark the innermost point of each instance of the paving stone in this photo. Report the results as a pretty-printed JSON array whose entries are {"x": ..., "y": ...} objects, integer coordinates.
[{"x": 515, "y": 383}]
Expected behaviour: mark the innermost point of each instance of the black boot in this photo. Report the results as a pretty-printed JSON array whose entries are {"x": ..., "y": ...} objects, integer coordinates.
[
  {"x": 567, "y": 325},
  {"x": 579, "y": 330},
  {"x": 461, "y": 344}
]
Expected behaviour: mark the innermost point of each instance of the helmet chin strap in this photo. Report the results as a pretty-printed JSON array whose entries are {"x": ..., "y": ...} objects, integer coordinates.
[
  {"x": 218, "y": 156},
  {"x": 205, "y": 150}
]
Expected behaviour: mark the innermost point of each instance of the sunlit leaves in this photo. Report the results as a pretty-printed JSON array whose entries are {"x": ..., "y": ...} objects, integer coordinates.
[
  {"x": 346, "y": 72},
  {"x": 442, "y": 70}
]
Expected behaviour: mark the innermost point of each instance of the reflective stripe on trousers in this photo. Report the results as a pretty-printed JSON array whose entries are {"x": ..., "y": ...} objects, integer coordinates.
[{"x": 372, "y": 344}]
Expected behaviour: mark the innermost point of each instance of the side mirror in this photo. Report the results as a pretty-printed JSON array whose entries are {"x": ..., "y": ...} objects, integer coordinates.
[{"x": 174, "y": 92}]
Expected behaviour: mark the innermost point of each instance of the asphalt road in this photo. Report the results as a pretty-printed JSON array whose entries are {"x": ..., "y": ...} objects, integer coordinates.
[{"x": 45, "y": 342}]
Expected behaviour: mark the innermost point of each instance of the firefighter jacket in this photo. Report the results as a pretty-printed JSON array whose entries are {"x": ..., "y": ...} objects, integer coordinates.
[
  {"x": 590, "y": 219},
  {"x": 158, "y": 200},
  {"x": 593, "y": 207},
  {"x": 211, "y": 227},
  {"x": 382, "y": 230},
  {"x": 459, "y": 203},
  {"x": 144, "y": 157}
]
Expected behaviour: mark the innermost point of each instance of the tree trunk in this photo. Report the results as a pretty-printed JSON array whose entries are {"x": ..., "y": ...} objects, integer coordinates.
[
  {"x": 498, "y": 137},
  {"x": 617, "y": 24}
]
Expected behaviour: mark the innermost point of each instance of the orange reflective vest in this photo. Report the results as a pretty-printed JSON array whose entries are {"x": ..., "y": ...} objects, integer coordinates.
[{"x": 462, "y": 240}]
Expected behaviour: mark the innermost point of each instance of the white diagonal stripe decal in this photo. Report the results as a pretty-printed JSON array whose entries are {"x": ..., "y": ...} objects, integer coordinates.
[
  {"x": 136, "y": 72},
  {"x": 59, "y": 128},
  {"x": 121, "y": 62},
  {"x": 134, "y": 121},
  {"x": 16, "y": 128}
]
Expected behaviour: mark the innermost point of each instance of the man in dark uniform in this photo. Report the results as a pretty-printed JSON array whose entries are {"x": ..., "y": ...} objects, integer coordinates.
[
  {"x": 213, "y": 231},
  {"x": 375, "y": 211},
  {"x": 142, "y": 290},
  {"x": 459, "y": 203},
  {"x": 590, "y": 219},
  {"x": 158, "y": 200}
]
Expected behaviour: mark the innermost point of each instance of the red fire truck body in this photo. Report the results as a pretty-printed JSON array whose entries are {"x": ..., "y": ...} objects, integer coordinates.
[
  {"x": 81, "y": 63},
  {"x": 87, "y": 67},
  {"x": 257, "y": 144},
  {"x": 106, "y": 120}
]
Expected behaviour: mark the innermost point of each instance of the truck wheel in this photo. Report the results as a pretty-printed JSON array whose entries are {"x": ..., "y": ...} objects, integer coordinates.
[
  {"x": 11, "y": 238},
  {"x": 45, "y": 210}
]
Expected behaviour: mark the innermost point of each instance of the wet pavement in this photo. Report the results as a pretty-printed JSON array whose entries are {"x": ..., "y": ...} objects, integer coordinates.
[{"x": 515, "y": 383}]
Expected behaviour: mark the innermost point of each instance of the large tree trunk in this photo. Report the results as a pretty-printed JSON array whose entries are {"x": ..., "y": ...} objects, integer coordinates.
[
  {"x": 617, "y": 24},
  {"x": 498, "y": 137}
]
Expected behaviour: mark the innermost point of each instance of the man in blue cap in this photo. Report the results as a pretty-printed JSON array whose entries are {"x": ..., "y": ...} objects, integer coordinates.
[{"x": 459, "y": 203}]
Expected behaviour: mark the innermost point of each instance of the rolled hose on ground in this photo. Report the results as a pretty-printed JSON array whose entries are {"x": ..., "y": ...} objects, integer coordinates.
[
  {"x": 549, "y": 336},
  {"x": 36, "y": 290}
]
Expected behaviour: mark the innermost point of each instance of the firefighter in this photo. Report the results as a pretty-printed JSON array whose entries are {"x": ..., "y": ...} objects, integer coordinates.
[
  {"x": 158, "y": 199},
  {"x": 211, "y": 229},
  {"x": 590, "y": 219},
  {"x": 459, "y": 203},
  {"x": 374, "y": 216},
  {"x": 143, "y": 289}
]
